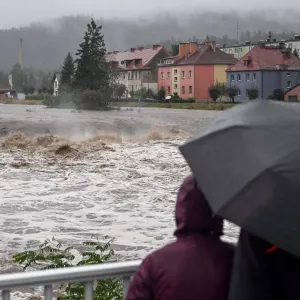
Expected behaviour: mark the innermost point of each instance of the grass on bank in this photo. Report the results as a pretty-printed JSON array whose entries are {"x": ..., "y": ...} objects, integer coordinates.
[
  {"x": 196, "y": 105},
  {"x": 24, "y": 102}
]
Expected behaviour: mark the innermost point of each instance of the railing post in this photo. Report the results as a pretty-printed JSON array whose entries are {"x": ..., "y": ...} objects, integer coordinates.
[
  {"x": 6, "y": 295},
  {"x": 88, "y": 291},
  {"x": 48, "y": 291},
  {"x": 126, "y": 283}
]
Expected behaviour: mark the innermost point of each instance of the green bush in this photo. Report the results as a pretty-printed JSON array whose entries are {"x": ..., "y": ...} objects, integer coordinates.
[
  {"x": 278, "y": 94},
  {"x": 232, "y": 92},
  {"x": 253, "y": 93},
  {"x": 214, "y": 93},
  {"x": 54, "y": 255},
  {"x": 34, "y": 97},
  {"x": 91, "y": 100}
]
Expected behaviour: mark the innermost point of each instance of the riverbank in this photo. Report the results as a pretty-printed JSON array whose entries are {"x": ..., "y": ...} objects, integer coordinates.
[
  {"x": 195, "y": 106},
  {"x": 21, "y": 102}
]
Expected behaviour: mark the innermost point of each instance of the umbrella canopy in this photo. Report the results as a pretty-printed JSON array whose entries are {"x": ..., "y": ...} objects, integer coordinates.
[{"x": 247, "y": 163}]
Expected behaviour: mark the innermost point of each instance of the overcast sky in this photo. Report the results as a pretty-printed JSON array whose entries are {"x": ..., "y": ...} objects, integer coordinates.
[{"x": 22, "y": 12}]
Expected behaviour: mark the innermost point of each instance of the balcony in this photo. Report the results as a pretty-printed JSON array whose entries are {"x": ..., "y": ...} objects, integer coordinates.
[
  {"x": 165, "y": 62},
  {"x": 86, "y": 274}
]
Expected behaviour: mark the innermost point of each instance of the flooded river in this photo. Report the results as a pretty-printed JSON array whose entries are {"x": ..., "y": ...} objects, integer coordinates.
[{"x": 73, "y": 175}]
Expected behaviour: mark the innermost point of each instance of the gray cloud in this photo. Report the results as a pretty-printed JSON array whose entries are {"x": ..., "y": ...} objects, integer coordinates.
[{"x": 22, "y": 12}]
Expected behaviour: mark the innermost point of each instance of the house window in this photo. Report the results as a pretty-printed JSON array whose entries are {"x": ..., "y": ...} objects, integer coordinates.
[
  {"x": 238, "y": 92},
  {"x": 182, "y": 74},
  {"x": 175, "y": 72},
  {"x": 139, "y": 75},
  {"x": 229, "y": 51},
  {"x": 236, "y": 50},
  {"x": 289, "y": 84},
  {"x": 129, "y": 75},
  {"x": 169, "y": 90},
  {"x": 231, "y": 77},
  {"x": 190, "y": 89},
  {"x": 162, "y": 75},
  {"x": 241, "y": 50},
  {"x": 288, "y": 74},
  {"x": 175, "y": 79},
  {"x": 290, "y": 45},
  {"x": 168, "y": 75},
  {"x": 239, "y": 77},
  {"x": 254, "y": 77},
  {"x": 183, "y": 90},
  {"x": 190, "y": 74},
  {"x": 175, "y": 86},
  {"x": 247, "y": 77}
]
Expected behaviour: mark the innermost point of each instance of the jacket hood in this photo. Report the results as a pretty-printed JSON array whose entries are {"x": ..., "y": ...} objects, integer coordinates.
[{"x": 193, "y": 214}]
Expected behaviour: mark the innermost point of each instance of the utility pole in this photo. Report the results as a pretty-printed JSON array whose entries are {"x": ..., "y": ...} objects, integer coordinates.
[
  {"x": 21, "y": 53},
  {"x": 237, "y": 32}
]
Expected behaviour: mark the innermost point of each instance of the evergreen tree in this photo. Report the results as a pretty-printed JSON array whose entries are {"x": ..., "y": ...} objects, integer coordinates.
[
  {"x": 67, "y": 73},
  {"x": 92, "y": 71}
]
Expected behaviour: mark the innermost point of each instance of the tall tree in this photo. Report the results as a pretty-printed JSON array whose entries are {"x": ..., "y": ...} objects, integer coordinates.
[
  {"x": 67, "y": 73},
  {"x": 19, "y": 77},
  {"x": 92, "y": 72}
]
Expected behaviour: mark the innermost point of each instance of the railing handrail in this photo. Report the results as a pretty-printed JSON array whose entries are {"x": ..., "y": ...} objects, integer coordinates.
[{"x": 69, "y": 274}]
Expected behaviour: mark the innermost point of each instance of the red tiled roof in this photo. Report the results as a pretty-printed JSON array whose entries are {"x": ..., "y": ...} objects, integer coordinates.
[
  {"x": 205, "y": 55},
  {"x": 267, "y": 58},
  {"x": 143, "y": 57}
]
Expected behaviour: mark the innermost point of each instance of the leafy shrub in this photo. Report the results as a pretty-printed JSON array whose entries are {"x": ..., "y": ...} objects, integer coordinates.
[
  {"x": 161, "y": 95},
  {"x": 253, "y": 93},
  {"x": 34, "y": 97},
  {"x": 278, "y": 94},
  {"x": 56, "y": 256},
  {"x": 214, "y": 93},
  {"x": 91, "y": 100},
  {"x": 232, "y": 92}
]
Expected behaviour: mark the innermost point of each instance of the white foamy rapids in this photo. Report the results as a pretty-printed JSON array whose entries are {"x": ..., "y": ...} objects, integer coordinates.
[{"x": 128, "y": 194}]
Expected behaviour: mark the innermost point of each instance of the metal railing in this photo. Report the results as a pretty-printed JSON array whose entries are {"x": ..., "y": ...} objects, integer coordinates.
[{"x": 85, "y": 274}]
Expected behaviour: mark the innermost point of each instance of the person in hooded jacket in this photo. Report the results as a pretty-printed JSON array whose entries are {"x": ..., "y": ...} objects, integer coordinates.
[
  {"x": 262, "y": 271},
  {"x": 197, "y": 265}
]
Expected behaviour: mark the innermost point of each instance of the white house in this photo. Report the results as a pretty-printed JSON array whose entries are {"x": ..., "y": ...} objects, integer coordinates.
[
  {"x": 138, "y": 67},
  {"x": 55, "y": 82}
]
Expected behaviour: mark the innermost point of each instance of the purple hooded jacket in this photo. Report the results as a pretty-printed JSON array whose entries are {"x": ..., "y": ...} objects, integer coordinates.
[{"x": 197, "y": 265}]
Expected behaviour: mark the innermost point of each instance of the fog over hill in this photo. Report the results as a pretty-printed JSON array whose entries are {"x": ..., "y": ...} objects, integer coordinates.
[{"x": 45, "y": 44}]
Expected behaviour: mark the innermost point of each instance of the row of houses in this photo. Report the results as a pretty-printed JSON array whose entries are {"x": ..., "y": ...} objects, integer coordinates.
[
  {"x": 241, "y": 49},
  {"x": 197, "y": 66}
]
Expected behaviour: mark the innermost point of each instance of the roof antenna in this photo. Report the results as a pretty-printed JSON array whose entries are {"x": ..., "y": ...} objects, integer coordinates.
[{"x": 237, "y": 33}]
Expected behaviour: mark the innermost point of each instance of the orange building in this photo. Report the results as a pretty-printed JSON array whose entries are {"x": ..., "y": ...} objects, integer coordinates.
[{"x": 194, "y": 70}]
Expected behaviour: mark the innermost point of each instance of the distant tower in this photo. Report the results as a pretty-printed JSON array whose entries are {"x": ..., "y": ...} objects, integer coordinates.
[{"x": 21, "y": 53}]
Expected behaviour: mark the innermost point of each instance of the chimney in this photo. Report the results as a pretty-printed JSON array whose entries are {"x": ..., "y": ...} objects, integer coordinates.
[
  {"x": 115, "y": 52},
  {"x": 132, "y": 49},
  {"x": 141, "y": 48},
  {"x": 185, "y": 48},
  {"x": 212, "y": 44},
  {"x": 155, "y": 46}
]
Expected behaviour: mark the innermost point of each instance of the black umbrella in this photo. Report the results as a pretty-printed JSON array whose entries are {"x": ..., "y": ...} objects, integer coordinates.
[{"x": 247, "y": 163}]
